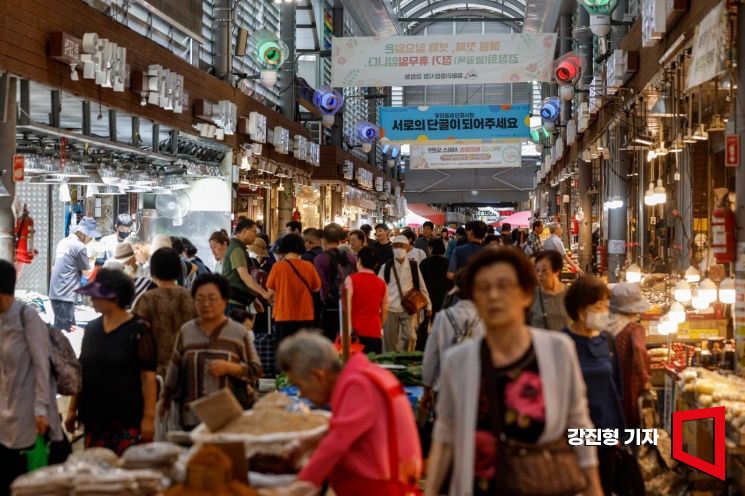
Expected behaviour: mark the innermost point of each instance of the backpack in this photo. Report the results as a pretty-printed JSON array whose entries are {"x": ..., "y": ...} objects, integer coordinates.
[
  {"x": 414, "y": 272},
  {"x": 461, "y": 334},
  {"x": 341, "y": 268},
  {"x": 259, "y": 275},
  {"x": 64, "y": 364},
  {"x": 404, "y": 449}
]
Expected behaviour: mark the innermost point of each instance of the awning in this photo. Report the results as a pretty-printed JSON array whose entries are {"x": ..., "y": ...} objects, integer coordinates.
[
  {"x": 518, "y": 219},
  {"x": 437, "y": 217}
]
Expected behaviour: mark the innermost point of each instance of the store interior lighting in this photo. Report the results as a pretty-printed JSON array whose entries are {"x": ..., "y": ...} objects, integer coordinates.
[
  {"x": 707, "y": 289},
  {"x": 692, "y": 275},
  {"x": 727, "y": 293},
  {"x": 649, "y": 198},
  {"x": 699, "y": 301},
  {"x": 660, "y": 195},
  {"x": 677, "y": 313},
  {"x": 633, "y": 273},
  {"x": 717, "y": 125},
  {"x": 682, "y": 292}
]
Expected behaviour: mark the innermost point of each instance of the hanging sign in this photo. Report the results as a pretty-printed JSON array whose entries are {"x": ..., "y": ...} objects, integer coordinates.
[
  {"x": 708, "y": 48},
  {"x": 18, "y": 164},
  {"x": 437, "y": 60},
  {"x": 732, "y": 148},
  {"x": 465, "y": 122},
  {"x": 475, "y": 156}
]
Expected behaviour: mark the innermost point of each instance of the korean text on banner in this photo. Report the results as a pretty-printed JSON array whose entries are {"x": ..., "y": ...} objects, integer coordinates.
[
  {"x": 476, "y": 156},
  {"x": 467, "y": 122},
  {"x": 708, "y": 48},
  {"x": 436, "y": 60}
]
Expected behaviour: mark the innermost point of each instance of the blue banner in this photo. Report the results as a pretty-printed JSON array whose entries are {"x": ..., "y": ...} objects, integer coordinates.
[{"x": 465, "y": 122}]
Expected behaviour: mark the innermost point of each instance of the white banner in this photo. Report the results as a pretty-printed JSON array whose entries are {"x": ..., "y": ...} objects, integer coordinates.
[
  {"x": 435, "y": 60},
  {"x": 709, "y": 45},
  {"x": 476, "y": 156}
]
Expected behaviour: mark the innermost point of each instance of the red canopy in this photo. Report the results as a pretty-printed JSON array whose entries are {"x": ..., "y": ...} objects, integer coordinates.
[
  {"x": 437, "y": 217},
  {"x": 518, "y": 219}
]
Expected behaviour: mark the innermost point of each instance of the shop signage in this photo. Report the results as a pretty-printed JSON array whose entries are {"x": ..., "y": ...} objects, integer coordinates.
[
  {"x": 254, "y": 127},
  {"x": 708, "y": 48},
  {"x": 397, "y": 192},
  {"x": 364, "y": 178},
  {"x": 616, "y": 247},
  {"x": 18, "y": 164},
  {"x": 387, "y": 187},
  {"x": 299, "y": 146},
  {"x": 223, "y": 114},
  {"x": 161, "y": 87},
  {"x": 732, "y": 155},
  {"x": 281, "y": 140},
  {"x": 101, "y": 60},
  {"x": 379, "y": 184},
  {"x": 476, "y": 156},
  {"x": 437, "y": 60},
  {"x": 653, "y": 21},
  {"x": 466, "y": 122},
  {"x": 314, "y": 154},
  {"x": 348, "y": 169},
  {"x": 716, "y": 469}
]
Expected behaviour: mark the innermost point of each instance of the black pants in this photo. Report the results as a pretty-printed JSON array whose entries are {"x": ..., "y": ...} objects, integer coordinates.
[
  {"x": 607, "y": 469},
  {"x": 12, "y": 464},
  {"x": 330, "y": 323},
  {"x": 372, "y": 345},
  {"x": 290, "y": 327}
]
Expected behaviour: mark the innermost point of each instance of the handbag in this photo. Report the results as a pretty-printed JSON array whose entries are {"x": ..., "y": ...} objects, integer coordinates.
[
  {"x": 414, "y": 300},
  {"x": 549, "y": 469}
]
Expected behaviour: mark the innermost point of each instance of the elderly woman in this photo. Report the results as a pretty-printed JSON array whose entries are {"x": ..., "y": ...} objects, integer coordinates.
[
  {"x": 517, "y": 390},
  {"x": 355, "y": 455},
  {"x": 118, "y": 357},
  {"x": 548, "y": 311},
  {"x": 211, "y": 352},
  {"x": 219, "y": 241},
  {"x": 626, "y": 303},
  {"x": 587, "y": 305}
]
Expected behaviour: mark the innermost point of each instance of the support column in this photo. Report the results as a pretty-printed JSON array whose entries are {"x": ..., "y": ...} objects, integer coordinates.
[
  {"x": 284, "y": 207},
  {"x": 337, "y": 132},
  {"x": 740, "y": 195},
  {"x": 585, "y": 227},
  {"x": 7, "y": 149},
  {"x": 287, "y": 15},
  {"x": 617, "y": 218},
  {"x": 223, "y": 37}
]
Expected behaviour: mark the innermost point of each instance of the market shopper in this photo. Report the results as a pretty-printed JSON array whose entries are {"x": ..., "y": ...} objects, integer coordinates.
[
  {"x": 382, "y": 244},
  {"x": 122, "y": 229},
  {"x": 413, "y": 253},
  {"x": 190, "y": 254},
  {"x": 70, "y": 264},
  {"x": 533, "y": 245},
  {"x": 124, "y": 254},
  {"x": 243, "y": 287},
  {"x": 313, "y": 246},
  {"x": 363, "y": 453},
  {"x": 476, "y": 233},
  {"x": 555, "y": 243},
  {"x": 116, "y": 404},
  {"x": 517, "y": 384},
  {"x": 370, "y": 302},
  {"x": 167, "y": 307},
  {"x": 505, "y": 233},
  {"x": 401, "y": 275},
  {"x": 219, "y": 241},
  {"x": 626, "y": 303},
  {"x": 367, "y": 229},
  {"x": 28, "y": 406},
  {"x": 211, "y": 352},
  {"x": 294, "y": 281},
  {"x": 428, "y": 233},
  {"x": 455, "y": 241},
  {"x": 357, "y": 241},
  {"x": 548, "y": 310},
  {"x": 333, "y": 267},
  {"x": 587, "y": 303},
  {"x": 435, "y": 272}
]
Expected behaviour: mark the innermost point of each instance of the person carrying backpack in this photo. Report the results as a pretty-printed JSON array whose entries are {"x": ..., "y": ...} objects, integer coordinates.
[
  {"x": 406, "y": 288},
  {"x": 28, "y": 407},
  {"x": 333, "y": 267}
]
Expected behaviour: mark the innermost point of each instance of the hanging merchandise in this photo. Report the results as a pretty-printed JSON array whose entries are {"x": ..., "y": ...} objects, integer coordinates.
[
  {"x": 723, "y": 235},
  {"x": 24, "y": 234}
]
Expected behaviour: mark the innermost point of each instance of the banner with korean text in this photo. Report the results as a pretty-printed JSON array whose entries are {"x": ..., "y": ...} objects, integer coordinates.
[
  {"x": 463, "y": 122},
  {"x": 472, "y": 156},
  {"x": 435, "y": 60}
]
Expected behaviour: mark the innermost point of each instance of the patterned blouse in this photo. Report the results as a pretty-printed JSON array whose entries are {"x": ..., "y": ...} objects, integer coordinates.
[{"x": 188, "y": 378}]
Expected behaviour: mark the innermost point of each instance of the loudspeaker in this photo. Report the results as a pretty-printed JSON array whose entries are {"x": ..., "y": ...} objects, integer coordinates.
[{"x": 241, "y": 42}]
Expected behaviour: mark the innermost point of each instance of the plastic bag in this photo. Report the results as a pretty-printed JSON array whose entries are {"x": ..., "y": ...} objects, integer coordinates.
[{"x": 38, "y": 456}]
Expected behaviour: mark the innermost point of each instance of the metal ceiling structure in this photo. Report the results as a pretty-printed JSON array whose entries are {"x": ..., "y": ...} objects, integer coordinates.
[{"x": 415, "y": 14}]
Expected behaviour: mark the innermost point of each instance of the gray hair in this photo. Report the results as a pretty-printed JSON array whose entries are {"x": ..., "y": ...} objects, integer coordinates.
[
  {"x": 160, "y": 241},
  {"x": 135, "y": 240},
  {"x": 305, "y": 351},
  {"x": 553, "y": 227}
]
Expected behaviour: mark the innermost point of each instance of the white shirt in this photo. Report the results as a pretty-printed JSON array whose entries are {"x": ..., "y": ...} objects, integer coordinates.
[
  {"x": 407, "y": 283},
  {"x": 417, "y": 255},
  {"x": 109, "y": 244},
  {"x": 554, "y": 243}
]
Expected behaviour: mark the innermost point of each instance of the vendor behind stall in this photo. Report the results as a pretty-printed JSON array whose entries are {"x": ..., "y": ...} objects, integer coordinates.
[{"x": 372, "y": 445}]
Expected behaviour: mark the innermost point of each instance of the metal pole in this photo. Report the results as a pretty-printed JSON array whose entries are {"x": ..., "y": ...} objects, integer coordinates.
[
  {"x": 617, "y": 217},
  {"x": 112, "y": 125},
  {"x": 86, "y": 109},
  {"x": 7, "y": 149},
  {"x": 54, "y": 115},
  {"x": 287, "y": 15},
  {"x": 337, "y": 132},
  {"x": 740, "y": 196},
  {"x": 223, "y": 38}
]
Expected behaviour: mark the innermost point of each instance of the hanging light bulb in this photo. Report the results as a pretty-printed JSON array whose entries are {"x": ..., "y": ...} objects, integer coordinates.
[
  {"x": 692, "y": 275},
  {"x": 651, "y": 155},
  {"x": 660, "y": 195},
  {"x": 727, "y": 291},
  {"x": 281, "y": 186},
  {"x": 667, "y": 326},
  {"x": 700, "y": 302},
  {"x": 708, "y": 290},
  {"x": 580, "y": 215},
  {"x": 633, "y": 273},
  {"x": 677, "y": 313},
  {"x": 649, "y": 198},
  {"x": 682, "y": 292}
]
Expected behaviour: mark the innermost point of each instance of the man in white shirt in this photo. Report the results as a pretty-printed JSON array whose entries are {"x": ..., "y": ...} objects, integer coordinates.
[
  {"x": 554, "y": 242},
  {"x": 401, "y": 275},
  {"x": 122, "y": 230}
]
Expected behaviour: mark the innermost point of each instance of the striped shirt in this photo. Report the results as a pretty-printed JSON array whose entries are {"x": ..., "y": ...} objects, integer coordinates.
[{"x": 188, "y": 378}]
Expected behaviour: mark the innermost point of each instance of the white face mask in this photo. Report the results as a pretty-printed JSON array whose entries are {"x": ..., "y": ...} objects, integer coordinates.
[
  {"x": 399, "y": 253},
  {"x": 597, "y": 321}
]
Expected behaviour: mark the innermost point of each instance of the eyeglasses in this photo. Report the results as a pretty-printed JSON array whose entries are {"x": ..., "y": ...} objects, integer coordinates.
[
  {"x": 503, "y": 286},
  {"x": 209, "y": 300}
]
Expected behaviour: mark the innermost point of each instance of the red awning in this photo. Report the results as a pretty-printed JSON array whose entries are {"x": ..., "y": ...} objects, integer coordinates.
[{"x": 437, "y": 217}]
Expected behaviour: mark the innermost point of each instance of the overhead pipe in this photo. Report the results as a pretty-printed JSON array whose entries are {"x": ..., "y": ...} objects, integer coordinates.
[
  {"x": 223, "y": 12},
  {"x": 584, "y": 50}
]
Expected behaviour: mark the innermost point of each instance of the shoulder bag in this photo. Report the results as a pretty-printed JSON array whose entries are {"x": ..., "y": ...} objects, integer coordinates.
[
  {"x": 414, "y": 300},
  {"x": 543, "y": 309},
  {"x": 297, "y": 273},
  {"x": 549, "y": 469}
]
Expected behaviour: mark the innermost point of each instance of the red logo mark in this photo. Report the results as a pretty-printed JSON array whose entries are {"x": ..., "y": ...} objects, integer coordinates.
[{"x": 716, "y": 469}]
